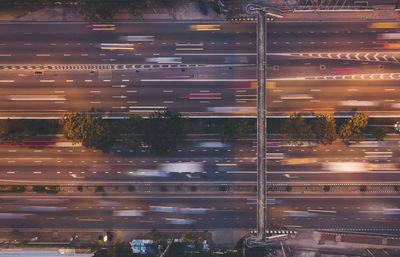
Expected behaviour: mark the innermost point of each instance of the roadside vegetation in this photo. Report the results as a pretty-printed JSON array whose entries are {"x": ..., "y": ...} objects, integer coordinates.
[
  {"x": 161, "y": 132},
  {"x": 325, "y": 129},
  {"x": 165, "y": 130}
]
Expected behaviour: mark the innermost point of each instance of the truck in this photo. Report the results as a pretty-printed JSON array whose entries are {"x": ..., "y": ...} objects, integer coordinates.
[{"x": 181, "y": 167}]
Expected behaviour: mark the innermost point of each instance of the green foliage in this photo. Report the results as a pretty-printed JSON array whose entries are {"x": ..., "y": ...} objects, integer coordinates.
[
  {"x": 397, "y": 188},
  {"x": 12, "y": 132},
  {"x": 232, "y": 129},
  {"x": 379, "y": 133},
  {"x": 163, "y": 189},
  {"x": 80, "y": 188},
  {"x": 271, "y": 188},
  {"x": 354, "y": 128},
  {"x": 288, "y": 188},
  {"x": 327, "y": 188},
  {"x": 164, "y": 130},
  {"x": 324, "y": 127},
  {"x": 193, "y": 188},
  {"x": 297, "y": 130},
  {"x": 157, "y": 237},
  {"x": 131, "y": 188},
  {"x": 191, "y": 238},
  {"x": 97, "y": 10},
  {"x": 99, "y": 189},
  {"x": 363, "y": 188},
  {"x": 178, "y": 188},
  {"x": 223, "y": 188},
  {"x": 233, "y": 9},
  {"x": 130, "y": 130},
  {"x": 89, "y": 130}
]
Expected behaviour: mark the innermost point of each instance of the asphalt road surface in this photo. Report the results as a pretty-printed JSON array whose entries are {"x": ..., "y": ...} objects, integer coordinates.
[
  {"x": 315, "y": 67},
  {"x": 62, "y": 162},
  {"x": 355, "y": 214}
]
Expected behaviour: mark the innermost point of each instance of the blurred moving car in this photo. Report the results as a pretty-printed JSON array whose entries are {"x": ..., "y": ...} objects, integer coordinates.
[
  {"x": 204, "y": 27},
  {"x": 137, "y": 38}
]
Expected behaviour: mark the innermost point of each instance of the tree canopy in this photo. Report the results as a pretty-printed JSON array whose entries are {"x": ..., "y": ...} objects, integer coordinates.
[
  {"x": 354, "y": 128},
  {"x": 164, "y": 130},
  {"x": 324, "y": 127},
  {"x": 297, "y": 130},
  {"x": 232, "y": 129},
  {"x": 89, "y": 130}
]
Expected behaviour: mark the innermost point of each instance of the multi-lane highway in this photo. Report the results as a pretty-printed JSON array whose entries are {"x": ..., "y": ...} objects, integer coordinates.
[
  {"x": 315, "y": 67},
  {"x": 234, "y": 162},
  {"x": 201, "y": 212}
]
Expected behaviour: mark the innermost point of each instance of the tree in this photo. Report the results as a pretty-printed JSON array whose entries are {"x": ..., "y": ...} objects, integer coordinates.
[
  {"x": 12, "y": 132},
  {"x": 379, "y": 133},
  {"x": 97, "y": 10},
  {"x": 231, "y": 129},
  {"x": 87, "y": 129},
  {"x": 297, "y": 130},
  {"x": 130, "y": 130},
  {"x": 164, "y": 130},
  {"x": 324, "y": 127},
  {"x": 157, "y": 237},
  {"x": 354, "y": 128},
  {"x": 233, "y": 8},
  {"x": 327, "y": 188}
]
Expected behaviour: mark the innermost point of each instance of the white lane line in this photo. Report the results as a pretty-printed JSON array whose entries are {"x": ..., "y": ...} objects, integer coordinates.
[
  {"x": 27, "y": 44},
  {"x": 67, "y": 54},
  {"x": 53, "y": 44},
  {"x": 199, "y": 80},
  {"x": 168, "y": 91},
  {"x": 168, "y": 102},
  {"x": 125, "y": 80},
  {"x": 47, "y": 80},
  {"x": 58, "y": 92},
  {"x": 88, "y": 80},
  {"x": 6, "y": 81},
  {"x": 131, "y": 91},
  {"x": 5, "y": 54},
  {"x": 95, "y": 91},
  {"x": 389, "y": 89},
  {"x": 84, "y": 54},
  {"x": 95, "y": 102},
  {"x": 58, "y": 102},
  {"x": 42, "y": 54},
  {"x": 69, "y": 80},
  {"x": 216, "y": 54},
  {"x": 106, "y": 80}
]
